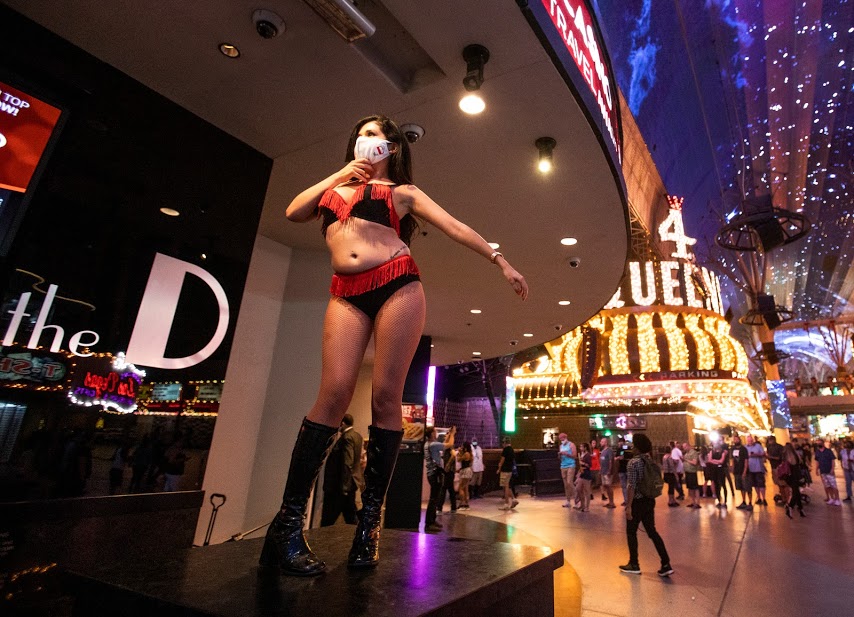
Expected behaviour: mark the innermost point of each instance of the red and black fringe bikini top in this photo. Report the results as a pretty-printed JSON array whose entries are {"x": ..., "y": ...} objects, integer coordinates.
[{"x": 370, "y": 202}]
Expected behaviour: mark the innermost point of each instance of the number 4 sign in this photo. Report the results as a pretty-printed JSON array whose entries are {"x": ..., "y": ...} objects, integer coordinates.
[{"x": 674, "y": 222}]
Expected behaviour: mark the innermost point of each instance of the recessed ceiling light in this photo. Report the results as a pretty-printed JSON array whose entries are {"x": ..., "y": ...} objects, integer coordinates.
[
  {"x": 476, "y": 311},
  {"x": 475, "y": 353},
  {"x": 528, "y": 334},
  {"x": 229, "y": 50},
  {"x": 170, "y": 212},
  {"x": 564, "y": 303},
  {"x": 494, "y": 246},
  {"x": 204, "y": 255},
  {"x": 568, "y": 241}
]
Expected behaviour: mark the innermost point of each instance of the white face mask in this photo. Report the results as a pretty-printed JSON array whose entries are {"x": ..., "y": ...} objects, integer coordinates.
[{"x": 375, "y": 149}]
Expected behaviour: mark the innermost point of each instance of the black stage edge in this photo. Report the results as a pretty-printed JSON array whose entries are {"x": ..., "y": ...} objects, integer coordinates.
[{"x": 418, "y": 574}]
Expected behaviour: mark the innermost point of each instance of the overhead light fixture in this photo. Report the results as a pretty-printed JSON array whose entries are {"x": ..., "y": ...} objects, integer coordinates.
[
  {"x": 170, "y": 211},
  {"x": 476, "y": 311},
  {"x": 344, "y": 18},
  {"x": 494, "y": 245},
  {"x": 528, "y": 335},
  {"x": 475, "y": 353},
  {"x": 476, "y": 56},
  {"x": 229, "y": 50},
  {"x": 545, "y": 146},
  {"x": 564, "y": 302},
  {"x": 569, "y": 241}
]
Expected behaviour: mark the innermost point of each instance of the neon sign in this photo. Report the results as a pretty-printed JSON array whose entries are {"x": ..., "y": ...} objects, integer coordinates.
[
  {"x": 576, "y": 28},
  {"x": 677, "y": 282},
  {"x": 114, "y": 388}
]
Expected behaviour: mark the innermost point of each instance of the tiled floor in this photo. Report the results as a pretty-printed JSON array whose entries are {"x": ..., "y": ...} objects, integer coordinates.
[{"x": 728, "y": 562}]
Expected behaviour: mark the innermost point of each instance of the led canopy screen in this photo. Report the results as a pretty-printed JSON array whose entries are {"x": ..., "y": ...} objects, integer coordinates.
[{"x": 26, "y": 124}]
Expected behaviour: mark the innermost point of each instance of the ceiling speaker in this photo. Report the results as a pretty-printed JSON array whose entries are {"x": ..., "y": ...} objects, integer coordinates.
[{"x": 770, "y": 233}]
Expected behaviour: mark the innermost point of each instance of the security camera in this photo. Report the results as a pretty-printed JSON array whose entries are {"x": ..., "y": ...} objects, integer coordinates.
[
  {"x": 268, "y": 24},
  {"x": 558, "y": 327},
  {"x": 514, "y": 342},
  {"x": 574, "y": 262},
  {"x": 412, "y": 132}
]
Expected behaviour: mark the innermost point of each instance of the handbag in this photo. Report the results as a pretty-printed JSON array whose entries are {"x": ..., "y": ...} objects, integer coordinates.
[{"x": 784, "y": 469}]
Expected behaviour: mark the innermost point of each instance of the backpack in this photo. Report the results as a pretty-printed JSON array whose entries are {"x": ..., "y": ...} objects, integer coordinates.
[{"x": 651, "y": 484}]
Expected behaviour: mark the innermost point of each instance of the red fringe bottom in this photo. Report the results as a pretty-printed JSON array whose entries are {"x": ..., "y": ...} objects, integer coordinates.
[{"x": 346, "y": 285}]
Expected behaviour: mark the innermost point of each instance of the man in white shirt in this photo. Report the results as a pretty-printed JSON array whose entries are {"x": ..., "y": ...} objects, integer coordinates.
[
  {"x": 678, "y": 458},
  {"x": 477, "y": 469}
]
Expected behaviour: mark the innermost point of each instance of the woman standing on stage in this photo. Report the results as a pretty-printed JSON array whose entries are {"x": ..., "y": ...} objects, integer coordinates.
[{"x": 368, "y": 209}]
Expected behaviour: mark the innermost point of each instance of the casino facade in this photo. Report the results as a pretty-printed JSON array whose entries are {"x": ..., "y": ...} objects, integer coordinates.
[{"x": 659, "y": 358}]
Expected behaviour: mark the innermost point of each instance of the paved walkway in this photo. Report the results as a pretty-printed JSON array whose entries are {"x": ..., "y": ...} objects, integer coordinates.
[{"x": 728, "y": 562}]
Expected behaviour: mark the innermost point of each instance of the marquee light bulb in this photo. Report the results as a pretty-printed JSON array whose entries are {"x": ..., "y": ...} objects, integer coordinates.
[{"x": 472, "y": 104}]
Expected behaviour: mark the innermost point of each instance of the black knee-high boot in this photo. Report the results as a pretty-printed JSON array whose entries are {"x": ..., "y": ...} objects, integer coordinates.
[
  {"x": 383, "y": 447},
  {"x": 285, "y": 546}
]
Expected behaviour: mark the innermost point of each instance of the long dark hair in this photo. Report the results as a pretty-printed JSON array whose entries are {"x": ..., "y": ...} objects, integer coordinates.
[
  {"x": 399, "y": 166},
  {"x": 400, "y": 163}
]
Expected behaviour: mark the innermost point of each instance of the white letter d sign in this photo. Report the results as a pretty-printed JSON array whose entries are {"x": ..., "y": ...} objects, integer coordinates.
[{"x": 150, "y": 334}]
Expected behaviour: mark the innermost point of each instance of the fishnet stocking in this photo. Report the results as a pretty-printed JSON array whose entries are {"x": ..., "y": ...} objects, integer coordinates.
[{"x": 346, "y": 332}]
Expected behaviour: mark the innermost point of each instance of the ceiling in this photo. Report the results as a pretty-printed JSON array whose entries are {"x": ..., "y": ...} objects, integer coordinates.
[{"x": 296, "y": 97}]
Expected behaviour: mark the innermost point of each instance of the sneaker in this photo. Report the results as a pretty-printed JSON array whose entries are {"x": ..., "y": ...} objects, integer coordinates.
[
  {"x": 514, "y": 504},
  {"x": 847, "y": 500},
  {"x": 673, "y": 505},
  {"x": 836, "y": 502},
  {"x": 630, "y": 568},
  {"x": 504, "y": 507},
  {"x": 566, "y": 504},
  {"x": 610, "y": 505},
  {"x": 665, "y": 570},
  {"x": 742, "y": 506}
]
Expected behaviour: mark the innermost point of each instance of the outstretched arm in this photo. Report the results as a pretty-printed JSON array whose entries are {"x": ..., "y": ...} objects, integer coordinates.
[
  {"x": 425, "y": 208},
  {"x": 302, "y": 208}
]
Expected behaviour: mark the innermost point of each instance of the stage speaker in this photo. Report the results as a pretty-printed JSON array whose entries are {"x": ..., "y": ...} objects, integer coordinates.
[
  {"x": 768, "y": 309},
  {"x": 770, "y": 232},
  {"x": 770, "y": 351},
  {"x": 403, "y": 500}
]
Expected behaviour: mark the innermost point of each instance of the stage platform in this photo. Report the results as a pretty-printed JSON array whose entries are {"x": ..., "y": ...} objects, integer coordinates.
[{"x": 419, "y": 574}]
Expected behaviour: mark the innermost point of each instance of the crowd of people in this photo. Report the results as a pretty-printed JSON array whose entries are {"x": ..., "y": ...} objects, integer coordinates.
[
  {"x": 456, "y": 474},
  {"x": 739, "y": 469},
  {"x": 726, "y": 470}
]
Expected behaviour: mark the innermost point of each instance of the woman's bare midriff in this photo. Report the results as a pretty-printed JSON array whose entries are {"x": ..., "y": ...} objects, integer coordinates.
[{"x": 356, "y": 245}]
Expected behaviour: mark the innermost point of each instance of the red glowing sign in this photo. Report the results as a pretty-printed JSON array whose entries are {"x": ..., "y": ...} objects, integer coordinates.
[
  {"x": 26, "y": 124},
  {"x": 576, "y": 28}
]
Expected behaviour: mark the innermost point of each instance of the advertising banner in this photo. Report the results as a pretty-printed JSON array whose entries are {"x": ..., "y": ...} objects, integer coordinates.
[{"x": 26, "y": 124}]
